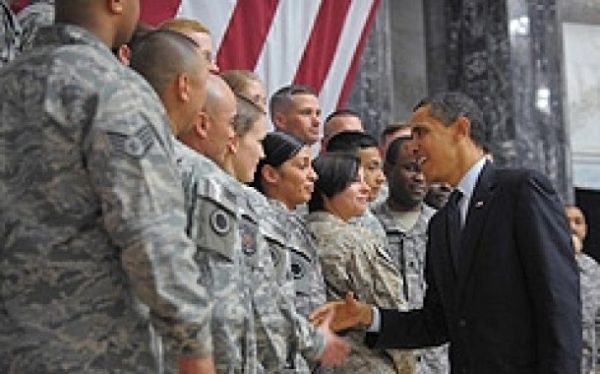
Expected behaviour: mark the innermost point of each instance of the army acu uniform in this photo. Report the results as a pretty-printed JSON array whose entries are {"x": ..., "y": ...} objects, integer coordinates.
[
  {"x": 287, "y": 342},
  {"x": 80, "y": 224},
  {"x": 252, "y": 322},
  {"x": 369, "y": 221},
  {"x": 214, "y": 224},
  {"x": 407, "y": 246},
  {"x": 353, "y": 260},
  {"x": 589, "y": 277},
  {"x": 10, "y": 34},
  {"x": 305, "y": 266}
]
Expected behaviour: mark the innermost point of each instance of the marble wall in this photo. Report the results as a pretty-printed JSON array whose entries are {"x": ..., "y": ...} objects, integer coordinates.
[{"x": 506, "y": 54}]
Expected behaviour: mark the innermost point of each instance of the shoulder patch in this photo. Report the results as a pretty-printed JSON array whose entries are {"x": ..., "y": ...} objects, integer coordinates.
[{"x": 135, "y": 145}]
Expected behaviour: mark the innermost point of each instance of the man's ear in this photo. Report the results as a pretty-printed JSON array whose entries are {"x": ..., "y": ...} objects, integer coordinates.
[
  {"x": 233, "y": 144},
  {"x": 279, "y": 120},
  {"x": 463, "y": 126},
  {"x": 270, "y": 174},
  {"x": 182, "y": 83},
  {"x": 201, "y": 125}
]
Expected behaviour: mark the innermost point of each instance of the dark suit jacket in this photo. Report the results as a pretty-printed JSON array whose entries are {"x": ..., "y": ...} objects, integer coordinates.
[{"x": 511, "y": 304}]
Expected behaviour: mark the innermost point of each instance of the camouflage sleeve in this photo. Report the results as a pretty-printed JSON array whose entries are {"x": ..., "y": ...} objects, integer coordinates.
[
  {"x": 309, "y": 340},
  {"x": 133, "y": 172}
]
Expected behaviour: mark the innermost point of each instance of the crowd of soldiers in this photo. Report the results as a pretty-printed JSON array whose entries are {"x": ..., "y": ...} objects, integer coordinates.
[{"x": 149, "y": 224}]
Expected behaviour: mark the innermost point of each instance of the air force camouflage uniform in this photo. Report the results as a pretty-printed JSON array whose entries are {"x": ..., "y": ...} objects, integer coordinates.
[
  {"x": 32, "y": 18},
  {"x": 407, "y": 249},
  {"x": 91, "y": 210},
  {"x": 10, "y": 34},
  {"x": 255, "y": 328},
  {"x": 589, "y": 272},
  {"x": 353, "y": 260}
]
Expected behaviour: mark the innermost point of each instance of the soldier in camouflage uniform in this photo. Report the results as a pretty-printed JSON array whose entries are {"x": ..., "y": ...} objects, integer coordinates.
[
  {"x": 405, "y": 218},
  {"x": 254, "y": 322},
  {"x": 10, "y": 34},
  {"x": 33, "y": 17},
  {"x": 286, "y": 177},
  {"x": 589, "y": 278},
  {"x": 82, "y": 230},
  {"x": 352, "y": 259},
  {"x": 365, "y": 147}
]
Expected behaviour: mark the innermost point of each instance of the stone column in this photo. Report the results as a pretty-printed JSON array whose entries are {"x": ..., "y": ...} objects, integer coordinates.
[{"x": 506, "y": 55}]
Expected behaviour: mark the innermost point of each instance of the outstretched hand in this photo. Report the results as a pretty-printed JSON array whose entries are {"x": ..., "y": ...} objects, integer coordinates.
[
  {"x": 345, "y": 314},
  {"x": 336, "y": 349}
]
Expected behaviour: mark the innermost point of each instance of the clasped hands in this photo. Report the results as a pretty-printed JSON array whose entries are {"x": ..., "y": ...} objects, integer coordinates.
[{"x": 343, "y": 314}]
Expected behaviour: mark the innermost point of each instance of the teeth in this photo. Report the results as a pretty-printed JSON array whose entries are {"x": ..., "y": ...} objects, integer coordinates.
[{"x": 421, "y": 160}]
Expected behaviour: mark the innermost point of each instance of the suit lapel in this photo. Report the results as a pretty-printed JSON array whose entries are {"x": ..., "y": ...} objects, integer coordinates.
[{"x": 479, "y": 208}]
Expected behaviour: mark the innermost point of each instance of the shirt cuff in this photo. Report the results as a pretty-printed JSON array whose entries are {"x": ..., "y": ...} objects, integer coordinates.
[{"x": 376, "y": 324}]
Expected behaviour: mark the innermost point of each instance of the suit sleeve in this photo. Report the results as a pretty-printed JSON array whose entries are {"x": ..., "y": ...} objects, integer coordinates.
[
  {"x": 545, "y": 247},
  {"x": 417, "y": 328}
]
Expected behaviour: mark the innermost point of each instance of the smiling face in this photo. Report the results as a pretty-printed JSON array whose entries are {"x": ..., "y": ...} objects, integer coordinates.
[
  {"x": 406, "y": 181},
  {"x": 370, "y": 160},
  {"x": 350, "y": 202},
  {"x": 435, "y": 145},
  {"x": 294, "y": 180}
]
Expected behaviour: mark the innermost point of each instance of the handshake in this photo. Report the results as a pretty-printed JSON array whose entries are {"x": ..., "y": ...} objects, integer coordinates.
[
  {"x": 336, "y": 316},
  {"x": 329, "y": 318}
]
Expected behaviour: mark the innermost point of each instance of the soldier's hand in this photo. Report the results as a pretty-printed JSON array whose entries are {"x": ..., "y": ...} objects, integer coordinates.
[
  {"x": 346, "y": 314},
  {"x": 336, "y": 349},
  {"x": 195, "y": 365}
]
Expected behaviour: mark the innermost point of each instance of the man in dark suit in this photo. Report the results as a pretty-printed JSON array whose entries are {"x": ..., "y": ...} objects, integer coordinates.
[{"x": 502, "y": 285}]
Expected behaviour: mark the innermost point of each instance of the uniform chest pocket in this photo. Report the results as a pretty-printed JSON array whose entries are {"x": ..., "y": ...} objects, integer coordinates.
[{"x": 213, "y": 227}]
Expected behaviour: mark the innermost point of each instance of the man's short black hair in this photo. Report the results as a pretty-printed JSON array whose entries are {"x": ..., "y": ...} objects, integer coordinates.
[
  {"x": 282, "y": 98},
  {"x": 342, "y": 113},
  {"x": 391, "y": 156},
  {"x": 448, "y": 106},
  {"x": 350, "y": 141}
]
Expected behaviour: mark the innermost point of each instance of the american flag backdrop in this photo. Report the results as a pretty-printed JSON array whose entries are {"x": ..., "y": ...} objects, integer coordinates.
[{"x": 312, "y": 42}]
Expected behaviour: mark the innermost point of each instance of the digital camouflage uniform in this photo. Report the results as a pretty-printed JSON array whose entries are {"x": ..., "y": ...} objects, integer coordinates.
[
  {"x": 287, "y": 342},
  {"x": 589, "y": 277},
  {"x": 32, "y": 18},
  {"x": 91, "y": 210},
  {"x": 306, "y": 268},
  {"x": 214, "y": 224},
  {"x": 10, "y": 34},
  {"x": 353, "y": 260},
  {"x": 369, "y": 221},
  {"x": 255, "y": 327},
  {"x": 407, "y": 249}
]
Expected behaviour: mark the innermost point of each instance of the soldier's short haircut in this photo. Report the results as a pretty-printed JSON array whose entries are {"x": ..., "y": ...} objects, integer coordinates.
[
  {"x": 161, "y": 55},
  {"x": 342, "y": 113},
  {"x": 336, "y": 171},
  {"x": 391, "y": 156},
  {"x": 282, "y": 98},
  {"x": 351, "y": 142},
  {"x": 391, "y": 129},
  {"x": 247, "y": 114},
  {"x": 448, "y": 106}
]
